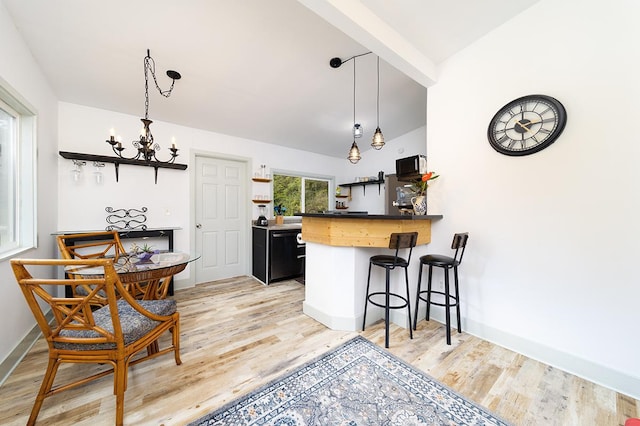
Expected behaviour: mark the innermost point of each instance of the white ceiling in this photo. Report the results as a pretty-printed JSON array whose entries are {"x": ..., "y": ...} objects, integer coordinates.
[{"x": 257, "y": 69}]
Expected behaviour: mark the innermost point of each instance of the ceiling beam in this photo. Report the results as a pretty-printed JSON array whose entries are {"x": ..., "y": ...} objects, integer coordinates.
[{"x": 361, "y": 24}]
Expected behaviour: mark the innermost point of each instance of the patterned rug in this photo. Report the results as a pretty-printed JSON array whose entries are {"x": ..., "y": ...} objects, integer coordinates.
[{"x": 355, "y": 384}]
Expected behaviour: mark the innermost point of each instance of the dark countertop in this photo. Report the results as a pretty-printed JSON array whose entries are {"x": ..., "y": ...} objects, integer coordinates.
[
  {"x": 285, "y": 226},
  {"x": 371, "y": 216}
]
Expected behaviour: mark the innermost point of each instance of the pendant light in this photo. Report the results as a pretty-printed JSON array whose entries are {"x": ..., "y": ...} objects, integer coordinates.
[
  {"x": 354, "y": 152},
  {"x": 378, "y": 138}
]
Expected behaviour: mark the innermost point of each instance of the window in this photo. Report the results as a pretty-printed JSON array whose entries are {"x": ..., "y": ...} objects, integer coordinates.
[
  {"x": 302, "y": 194},
  {"x": 17, "y": 165}
]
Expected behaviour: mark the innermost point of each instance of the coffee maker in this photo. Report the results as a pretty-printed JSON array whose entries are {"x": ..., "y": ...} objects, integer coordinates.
[{"x": 262, "y": 218}]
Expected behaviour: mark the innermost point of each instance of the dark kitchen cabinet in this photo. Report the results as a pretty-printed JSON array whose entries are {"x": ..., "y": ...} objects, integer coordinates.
[{"x": 277, "y": 254}]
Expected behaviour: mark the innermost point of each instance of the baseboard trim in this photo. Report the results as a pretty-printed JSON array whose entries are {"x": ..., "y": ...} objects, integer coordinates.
[
  {"x": 616, "y": 380},
  {"x": 15, "y": 356}
]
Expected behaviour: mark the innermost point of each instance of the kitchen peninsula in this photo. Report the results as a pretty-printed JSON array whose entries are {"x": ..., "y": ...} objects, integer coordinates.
[{"x": 338, "y": 247}]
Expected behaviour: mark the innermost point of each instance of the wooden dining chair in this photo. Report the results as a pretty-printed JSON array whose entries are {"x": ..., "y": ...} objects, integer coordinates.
[
  {"x": 111, "y": 335},
  {"x": 90, "y": 245}
]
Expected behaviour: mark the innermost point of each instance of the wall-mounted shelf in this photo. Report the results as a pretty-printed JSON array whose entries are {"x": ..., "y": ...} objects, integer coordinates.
[
  {"x": 261, "y": 201},
  {"x": 363, "y": 185},
  {"x": 117, "y": 161},
  {"x": 257, "y": 179}
]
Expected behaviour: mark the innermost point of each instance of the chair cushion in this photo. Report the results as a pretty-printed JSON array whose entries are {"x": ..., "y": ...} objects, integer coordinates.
[
  {"x": 438, "y": 260},
  {"x": 134, "y": 324},
  {"x": 385, "y": 260}
]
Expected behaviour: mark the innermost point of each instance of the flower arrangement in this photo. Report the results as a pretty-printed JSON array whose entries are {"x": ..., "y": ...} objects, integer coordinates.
[
  {"x": 420, "y": 186},
  {"x": 136, "y": 249}
]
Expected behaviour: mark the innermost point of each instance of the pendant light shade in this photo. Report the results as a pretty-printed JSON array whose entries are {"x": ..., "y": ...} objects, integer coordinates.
[
  {"x": 354, "y": 153},
  {"x": 378, "y": 137},
  {"x": 357, "y": 130}
]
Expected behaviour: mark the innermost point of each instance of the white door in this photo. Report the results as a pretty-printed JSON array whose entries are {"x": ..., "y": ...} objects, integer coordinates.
[{"x": 220, "y": 218}]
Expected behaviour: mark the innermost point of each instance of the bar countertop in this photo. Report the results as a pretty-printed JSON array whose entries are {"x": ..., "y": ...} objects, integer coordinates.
[{"x": 364, "y": 215}]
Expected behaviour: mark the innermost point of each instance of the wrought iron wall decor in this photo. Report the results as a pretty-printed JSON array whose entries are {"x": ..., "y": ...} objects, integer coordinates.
[{"x": 126, "y": 219}]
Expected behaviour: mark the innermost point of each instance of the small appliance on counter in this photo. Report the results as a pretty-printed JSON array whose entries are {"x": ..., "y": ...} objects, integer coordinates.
[
  {"x": 411, "y": 168},
  {"x": 262, "y": 218},
  {"x": 404, "y": 194}
]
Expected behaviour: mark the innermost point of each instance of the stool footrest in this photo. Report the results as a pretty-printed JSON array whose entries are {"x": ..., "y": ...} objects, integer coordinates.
[
  {"x": 391, "y": 295},
  {"x": 442, "y": 293}
]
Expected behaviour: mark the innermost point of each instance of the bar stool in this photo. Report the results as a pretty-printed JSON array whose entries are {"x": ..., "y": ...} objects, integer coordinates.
[
  {"x": 446, "y": 263},
  {"x": 397, "y": 241}
]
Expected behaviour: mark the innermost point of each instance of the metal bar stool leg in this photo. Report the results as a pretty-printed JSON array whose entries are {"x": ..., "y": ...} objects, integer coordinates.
[
  {"x": 447, "y": 305},
  {"x": 386, "y": 308},
  {"x": 455, "y": 277},
  {"x": 366, "y": 299},
  {"x": 406, "y": 280},
  {"x": 415, "y": 317},
  {"x": 429, "y": 292}
]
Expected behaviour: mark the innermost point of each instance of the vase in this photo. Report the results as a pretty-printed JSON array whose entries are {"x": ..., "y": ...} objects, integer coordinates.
[{"x": 419, "y": 205}]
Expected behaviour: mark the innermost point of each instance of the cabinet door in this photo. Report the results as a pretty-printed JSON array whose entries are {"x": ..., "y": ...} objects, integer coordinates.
[
  {"x": 260, "y": 254},
  {"x": 283, "y": 255}
]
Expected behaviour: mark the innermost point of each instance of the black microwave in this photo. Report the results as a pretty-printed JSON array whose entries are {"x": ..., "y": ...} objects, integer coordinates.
[{"x": 411, "y": 168}]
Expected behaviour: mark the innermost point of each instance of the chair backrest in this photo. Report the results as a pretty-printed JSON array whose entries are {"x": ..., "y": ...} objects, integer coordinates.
[
  {"x": 74, "y": 323},
  {"x": 458, "y": 244},
  {"x": 91, "y": 245},
  {"x": 403, "y": 240}
]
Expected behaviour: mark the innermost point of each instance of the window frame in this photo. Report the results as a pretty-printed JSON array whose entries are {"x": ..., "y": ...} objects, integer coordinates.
[
  {"x": 330, "y": 181},
  {"x": 24, "y": 172}
]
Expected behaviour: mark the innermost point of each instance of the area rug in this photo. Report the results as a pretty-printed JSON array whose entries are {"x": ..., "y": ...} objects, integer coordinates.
[{"x": 356, "y": 384}]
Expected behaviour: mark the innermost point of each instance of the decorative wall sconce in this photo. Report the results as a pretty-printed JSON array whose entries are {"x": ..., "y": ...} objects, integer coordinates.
[{"x": 146, "y": 148}]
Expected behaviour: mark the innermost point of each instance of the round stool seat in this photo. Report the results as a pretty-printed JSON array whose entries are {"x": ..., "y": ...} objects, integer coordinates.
[
  {"x": 438, "y": 260},
  {"x": 632, "y": 422},
  {"x": 387, "y": 260}
]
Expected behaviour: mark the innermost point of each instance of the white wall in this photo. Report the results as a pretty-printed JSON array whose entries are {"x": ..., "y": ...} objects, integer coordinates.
[
  {"x": 82, "y": 205},
  {"x": 550, "y": 268},
  {"x": 19, "y": 70}
]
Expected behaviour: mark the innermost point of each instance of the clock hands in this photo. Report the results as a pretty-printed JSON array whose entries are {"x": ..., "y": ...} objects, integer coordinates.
[{"x": 525, "y": 126}]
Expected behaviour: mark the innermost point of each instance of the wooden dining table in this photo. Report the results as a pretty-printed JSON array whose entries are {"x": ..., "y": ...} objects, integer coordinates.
[{"x": 145, "y": 279}]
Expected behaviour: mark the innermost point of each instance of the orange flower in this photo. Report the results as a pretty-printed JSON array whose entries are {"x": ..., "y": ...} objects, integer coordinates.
[{"x": 420, "y": 187}]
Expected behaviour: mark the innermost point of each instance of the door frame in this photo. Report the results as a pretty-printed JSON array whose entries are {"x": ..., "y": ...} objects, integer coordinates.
[{"x": 192, "y": 201}]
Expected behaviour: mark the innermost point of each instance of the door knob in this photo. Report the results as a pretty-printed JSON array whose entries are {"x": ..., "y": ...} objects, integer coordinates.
[{"x": 199, "y": 225}]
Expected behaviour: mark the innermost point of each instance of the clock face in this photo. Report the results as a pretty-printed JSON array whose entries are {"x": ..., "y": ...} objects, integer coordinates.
[{"x": 526, "y": 125}]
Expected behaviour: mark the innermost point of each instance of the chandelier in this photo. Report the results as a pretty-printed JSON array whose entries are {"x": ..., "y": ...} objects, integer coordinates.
[{"x": 146, "y": 147}]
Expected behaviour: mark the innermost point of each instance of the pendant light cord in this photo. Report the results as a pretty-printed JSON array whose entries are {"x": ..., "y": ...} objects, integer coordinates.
[
  {"x": 378, "y": 97},
  {"x": 354, "y": 91}
]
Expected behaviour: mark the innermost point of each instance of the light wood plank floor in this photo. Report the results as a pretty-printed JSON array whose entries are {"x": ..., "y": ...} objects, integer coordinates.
[{"x": 238, "y": 334}]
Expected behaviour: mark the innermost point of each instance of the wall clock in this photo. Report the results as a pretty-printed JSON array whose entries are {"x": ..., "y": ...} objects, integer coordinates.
[{"x": 527, "y": 125}]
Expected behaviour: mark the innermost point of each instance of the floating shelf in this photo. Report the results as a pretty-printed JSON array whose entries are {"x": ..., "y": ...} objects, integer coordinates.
[
  {"x": 363, "y": 185},
  {"x": 256, "y": 179},
  {"x": 117, "y": 161},
  {"x": 261, "y": 201}
]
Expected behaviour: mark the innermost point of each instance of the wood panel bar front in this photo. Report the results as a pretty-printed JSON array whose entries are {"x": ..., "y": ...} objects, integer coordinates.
[{"x": 361, "y": 232}]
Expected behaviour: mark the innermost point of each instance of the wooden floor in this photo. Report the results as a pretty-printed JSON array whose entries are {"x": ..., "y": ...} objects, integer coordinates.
[{"x": 238, "y": 334}]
